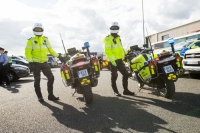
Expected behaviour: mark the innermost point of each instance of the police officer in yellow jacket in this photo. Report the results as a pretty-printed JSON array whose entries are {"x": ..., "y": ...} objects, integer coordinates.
[
  {"x": 36, "y": 52},
  {"x": 115, "y": 53}
]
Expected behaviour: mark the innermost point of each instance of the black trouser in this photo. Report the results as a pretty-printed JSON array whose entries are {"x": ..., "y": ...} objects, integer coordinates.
[
  {"x": 100, "y": 63},
  {"x": 8, "y": 67},
  {"x": 44, "y": 67},
  {"x": 121, "y": 68},
  {"x": 3, "y": 74}
]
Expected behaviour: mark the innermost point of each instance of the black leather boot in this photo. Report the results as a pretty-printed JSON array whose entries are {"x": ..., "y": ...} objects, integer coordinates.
[{"x": 53, "y": 98}]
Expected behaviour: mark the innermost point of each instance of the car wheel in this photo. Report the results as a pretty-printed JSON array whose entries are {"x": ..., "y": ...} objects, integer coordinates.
[
  {"x": 12, "y": 76},
  {"x": 194, "y": 75}
]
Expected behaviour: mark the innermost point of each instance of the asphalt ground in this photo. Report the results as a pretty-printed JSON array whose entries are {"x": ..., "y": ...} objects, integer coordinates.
[{"x": 145, "y": 112}]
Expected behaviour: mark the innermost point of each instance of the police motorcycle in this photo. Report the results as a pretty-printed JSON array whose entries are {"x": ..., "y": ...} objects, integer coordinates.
[
  {"x": 157, "y": 72},
  {"x": 81, "y": 72}
]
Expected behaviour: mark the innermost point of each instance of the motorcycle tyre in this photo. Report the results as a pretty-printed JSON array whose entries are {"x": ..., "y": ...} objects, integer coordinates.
[
  {"x": 140, "y": 85},
  {"x": 87, "y": 94},
  {"x": 170, "y": 86},
  {"x": 94, "y": 82}
]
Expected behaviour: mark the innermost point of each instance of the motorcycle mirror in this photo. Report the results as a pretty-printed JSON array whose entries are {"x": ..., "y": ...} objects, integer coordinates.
[
  {"x": 134, "y": 47},
  {"x": 145, "y": 45},
  {"x": 83, "y": 48}
]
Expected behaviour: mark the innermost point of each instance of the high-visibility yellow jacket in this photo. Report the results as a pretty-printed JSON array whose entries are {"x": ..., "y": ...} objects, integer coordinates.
[
  {"x": 113, "y": 48},
  {"x": 9, "y": 59},
  {"x": 37, "y": 48}
]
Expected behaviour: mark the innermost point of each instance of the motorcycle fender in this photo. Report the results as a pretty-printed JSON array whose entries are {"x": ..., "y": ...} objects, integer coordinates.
[
  {"x": 85, "y": 81},
  {"x": 171, "y": 76}
]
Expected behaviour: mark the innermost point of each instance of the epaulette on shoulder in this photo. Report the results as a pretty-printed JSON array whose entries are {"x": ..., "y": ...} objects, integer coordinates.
[
  {"x": 30, "y": 38},
  {"x": 107, "y": 38},
  {"x": 107, "y": 35}
]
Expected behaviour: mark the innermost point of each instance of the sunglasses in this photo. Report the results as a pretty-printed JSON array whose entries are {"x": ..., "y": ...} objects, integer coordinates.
[
  {"x": 114, "y": 28},
  {"x": 38, "y": 29}
]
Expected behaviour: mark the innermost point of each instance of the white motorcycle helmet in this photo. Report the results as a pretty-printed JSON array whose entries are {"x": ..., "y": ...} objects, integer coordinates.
[
  {"x": 114, "y": 28},
  {"x": 38, "y": 29}
]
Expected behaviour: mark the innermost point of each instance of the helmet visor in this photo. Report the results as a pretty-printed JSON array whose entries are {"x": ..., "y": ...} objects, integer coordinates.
[
  {"x": 37, "y": 29},
  {"x": 114, "y": 28}
]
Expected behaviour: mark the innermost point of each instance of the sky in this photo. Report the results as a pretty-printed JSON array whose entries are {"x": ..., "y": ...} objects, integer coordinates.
[{"x": 80, "y": 21}]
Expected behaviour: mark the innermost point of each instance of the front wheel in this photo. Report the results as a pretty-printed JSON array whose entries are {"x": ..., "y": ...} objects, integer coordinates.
[
  {"x": 168, "y": 89},
  {"x": 12, "y": 76},
  {"x": 87, "y": 94},
  {"x": 194, "y": 75}
]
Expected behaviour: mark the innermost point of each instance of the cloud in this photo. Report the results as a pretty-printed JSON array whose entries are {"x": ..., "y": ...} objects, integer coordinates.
[{"x": 81, "y": 21}]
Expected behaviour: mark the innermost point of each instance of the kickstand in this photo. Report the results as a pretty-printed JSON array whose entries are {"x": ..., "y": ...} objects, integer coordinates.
[
  {"x": 74, "y": 92},
  {"x": 140, "y": 89}
]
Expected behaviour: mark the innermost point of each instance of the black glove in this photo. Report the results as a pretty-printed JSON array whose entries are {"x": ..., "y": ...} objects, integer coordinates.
[
  {"x": 125, "y": 59},
  {"x": 31, "y": 66},
  {"x": 60, "y": 57}
]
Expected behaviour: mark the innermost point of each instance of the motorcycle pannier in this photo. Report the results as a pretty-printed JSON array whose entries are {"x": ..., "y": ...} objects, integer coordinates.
[
  {"x": 96, "y": 65},
  {"x": 139, "y": 65},
  {"x": 66, "y": 74}
]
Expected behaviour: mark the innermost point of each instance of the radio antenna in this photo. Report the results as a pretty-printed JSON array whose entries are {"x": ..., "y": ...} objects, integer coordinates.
[{"x": 143, "y": 21}]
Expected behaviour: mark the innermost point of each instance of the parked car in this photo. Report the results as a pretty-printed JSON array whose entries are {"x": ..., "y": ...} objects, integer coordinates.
[
  {"x": 52, "y": 61},
  {"x": 21, "y": 62},
  {"x": 17, "y": 57},
  {"x": 18, "y": 71},
  {"x": 189, "y": 45},
  {"x": 191, "y": 62}
]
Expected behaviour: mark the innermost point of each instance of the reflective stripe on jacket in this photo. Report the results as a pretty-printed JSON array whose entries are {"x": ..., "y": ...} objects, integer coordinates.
[
  {"x": 113, "y": 48},
  {"x": 37, "y": 48}
]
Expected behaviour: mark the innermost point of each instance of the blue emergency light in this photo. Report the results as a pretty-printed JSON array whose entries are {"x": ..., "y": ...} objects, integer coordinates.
[
  {"x": 86, "y": 44},
  {"x": 171, "y": 41}
]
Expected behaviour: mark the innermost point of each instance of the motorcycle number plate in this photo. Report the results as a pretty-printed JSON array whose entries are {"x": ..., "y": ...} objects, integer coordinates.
[
  {"x": 168, "y": 69},
  {"x": 83, "y": 73}
]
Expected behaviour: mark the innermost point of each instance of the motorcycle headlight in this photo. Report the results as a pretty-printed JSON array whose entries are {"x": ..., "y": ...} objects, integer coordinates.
[{"x": 20, "y": 68}]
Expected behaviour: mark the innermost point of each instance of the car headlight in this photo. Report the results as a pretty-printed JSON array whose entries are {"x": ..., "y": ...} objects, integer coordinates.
[{"x": 20, "y": 68}]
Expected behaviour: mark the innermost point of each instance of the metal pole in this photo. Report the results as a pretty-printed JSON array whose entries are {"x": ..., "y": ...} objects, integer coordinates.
[
  {"x": 143, "y": 21},
  {"x": 63, "y": 45}
]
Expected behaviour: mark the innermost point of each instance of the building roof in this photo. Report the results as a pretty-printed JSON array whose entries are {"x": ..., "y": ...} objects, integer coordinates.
[{"x": 176, "y": 27}]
